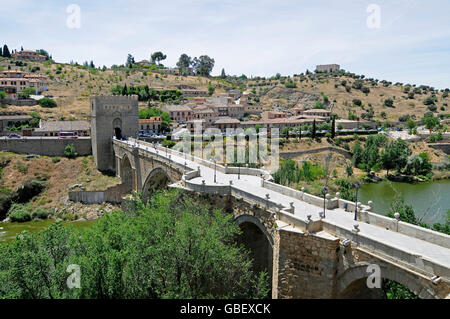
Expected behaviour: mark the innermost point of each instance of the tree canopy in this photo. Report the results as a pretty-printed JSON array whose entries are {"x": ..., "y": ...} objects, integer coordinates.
[
  {"x": 158, "y": 57},
  {"x": 203, "y": 65},
  {"x": 171, "y": 248}
]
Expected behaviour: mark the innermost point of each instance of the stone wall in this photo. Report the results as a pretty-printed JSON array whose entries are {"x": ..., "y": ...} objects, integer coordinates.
[
  {"x": 445, "y": 147},
  {"x": 112, "y": 195},
  {"x": 46, "y": 146}
]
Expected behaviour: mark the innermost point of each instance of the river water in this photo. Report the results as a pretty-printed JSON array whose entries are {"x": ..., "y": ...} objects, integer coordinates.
[
  {"x": 431, "y": 200},
  {"x": 9, "y": 231}
]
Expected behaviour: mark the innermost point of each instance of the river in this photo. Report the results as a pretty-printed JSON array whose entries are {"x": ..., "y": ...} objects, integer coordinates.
[
  {"x": 432, "y": 196},
  {"x": 9, "y": 231},
  {"x": 431, "y": 199}
]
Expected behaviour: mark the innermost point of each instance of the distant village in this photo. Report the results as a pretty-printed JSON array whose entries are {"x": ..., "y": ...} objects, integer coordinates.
[{"x": 223, "y": 111}]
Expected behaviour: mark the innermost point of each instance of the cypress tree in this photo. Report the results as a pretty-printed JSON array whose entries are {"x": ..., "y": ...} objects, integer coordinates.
[
  {"x": 6, "y": 52},
  {"x": 313, "y": 133},
  {"x": 1, "y": 51},
  {"x": 333, "y": 128},
  {"x": 125, "y": 90}
]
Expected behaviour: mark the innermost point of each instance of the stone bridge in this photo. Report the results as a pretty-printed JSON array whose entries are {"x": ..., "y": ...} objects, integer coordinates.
[{"x": 308, "y": 255}]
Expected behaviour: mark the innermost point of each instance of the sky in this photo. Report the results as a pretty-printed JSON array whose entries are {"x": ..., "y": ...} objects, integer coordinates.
[{"x": 394, "y": 40}]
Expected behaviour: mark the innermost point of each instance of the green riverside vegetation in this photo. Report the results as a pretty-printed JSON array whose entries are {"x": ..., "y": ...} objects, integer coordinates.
[{"x": 171, "y": 248}]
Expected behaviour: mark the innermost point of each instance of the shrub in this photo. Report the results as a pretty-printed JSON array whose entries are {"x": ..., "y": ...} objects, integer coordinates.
[
  {"x": 290, "y": 84},
  {"x": 40, "y": 213},
  {"x": 365, "y": 90},
  {"x": 47, "y": 102},
  {"x": 19, "y": 213},
  {"x": 428, "y": 101},
  {"x": 56, "y": 159},
  {"x": 432, "y": 108},
  {"x": 357, "y": 102},
  {"x": 70, "y": 151},
  {"x": 168, "y": 143},
  {"x": 389, "y": 102}
]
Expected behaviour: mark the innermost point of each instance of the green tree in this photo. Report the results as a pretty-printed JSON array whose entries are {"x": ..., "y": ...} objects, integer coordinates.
[
  {"x": 313, "y": 131},
  {"x": 357, "y": 154},
  {"x": 395, "y": 155},
  {"x": 203, "y": 65},
  {"x": 430, "y": 122},
  {"x": 25, "y": 93},
  {"x": 130, "y": 61},
  {"x": 333, "y": 128},
  {"x": 222, "y": 74},
  {"x": 158, "y": 57},
  {"x": 47, "y": 102},
  {"x": 211, "y": 89},
  {"x": 171, "y": 248},
  {"x": 184, "y": 61},
  {"x": 6, "y": 52}
]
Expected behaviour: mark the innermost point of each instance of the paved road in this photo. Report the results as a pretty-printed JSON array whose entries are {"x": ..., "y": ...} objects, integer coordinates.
[{"x": 338, "y": 217}]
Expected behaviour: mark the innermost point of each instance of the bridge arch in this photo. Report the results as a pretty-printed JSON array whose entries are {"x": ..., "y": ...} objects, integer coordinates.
[
  {"x": 353, "y": 282},
  {"x": 127, "y": 174},
  {"x": 157, "y": 179},
  {"x": 258, "y": 241}
]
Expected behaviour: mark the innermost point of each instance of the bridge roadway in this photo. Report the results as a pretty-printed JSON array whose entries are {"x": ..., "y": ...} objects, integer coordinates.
[{"x": 339, "y": 218}]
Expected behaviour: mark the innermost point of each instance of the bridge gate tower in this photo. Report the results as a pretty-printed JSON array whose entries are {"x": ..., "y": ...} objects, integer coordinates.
[{"x": 111, "y": 116}]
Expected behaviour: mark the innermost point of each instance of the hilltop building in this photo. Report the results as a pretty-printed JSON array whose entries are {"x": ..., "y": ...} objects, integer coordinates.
[
  {"x": 328, "y": 68},
  {"x": 29, "y": 55}
]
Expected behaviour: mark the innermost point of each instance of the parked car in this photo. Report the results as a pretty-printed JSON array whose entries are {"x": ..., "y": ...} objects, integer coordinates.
[{"x": 14, "y": 135}]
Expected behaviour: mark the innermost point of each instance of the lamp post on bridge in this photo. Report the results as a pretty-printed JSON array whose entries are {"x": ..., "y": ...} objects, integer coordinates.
[
  {"x": 215, "y": 170},
  {"x": 324, "y": 193},
  {"x": 356, "y": 204}
]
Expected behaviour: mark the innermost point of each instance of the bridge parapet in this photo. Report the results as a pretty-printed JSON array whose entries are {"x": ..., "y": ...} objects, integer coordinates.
[{"x": 399, "y": 255}]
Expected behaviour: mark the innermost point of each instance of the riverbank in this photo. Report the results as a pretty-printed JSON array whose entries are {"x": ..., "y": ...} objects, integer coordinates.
[{"x": 9, "y": 230}]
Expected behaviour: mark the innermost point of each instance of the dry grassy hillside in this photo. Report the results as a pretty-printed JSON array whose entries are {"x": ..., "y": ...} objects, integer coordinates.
[
  {"x": 59, "y": 175},
  {"x": 72, "y": 85},
  {"x": 310, "y": 89}
]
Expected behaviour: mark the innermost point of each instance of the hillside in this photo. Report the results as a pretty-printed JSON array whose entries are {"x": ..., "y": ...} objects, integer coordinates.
[
  {"x": 72, "y": 85},
  {"x": 341, "y": 91},
  {"x": 59, "y": 174}
]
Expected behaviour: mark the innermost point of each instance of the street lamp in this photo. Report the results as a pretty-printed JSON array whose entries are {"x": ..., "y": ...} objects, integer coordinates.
[
  {"x": 239, "y": 171},
  {"x": 215, "y": 171},
  {"x": 356, "y": 204},
  {"x": 324, "y": 193}
]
